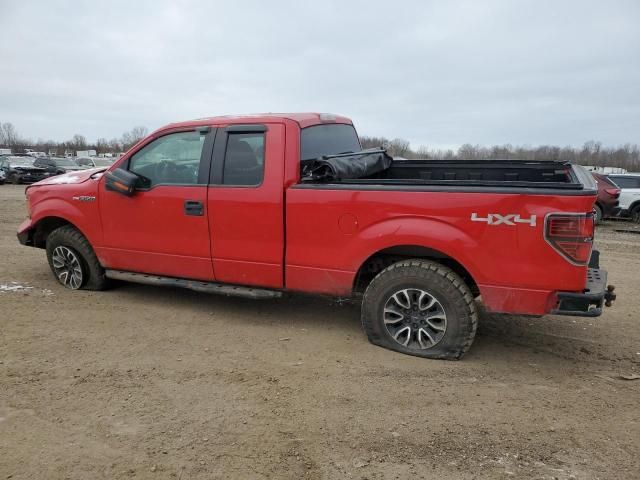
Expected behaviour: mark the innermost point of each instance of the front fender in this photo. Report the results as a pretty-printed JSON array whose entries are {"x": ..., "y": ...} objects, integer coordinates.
[{"x": 82, "y": 214}]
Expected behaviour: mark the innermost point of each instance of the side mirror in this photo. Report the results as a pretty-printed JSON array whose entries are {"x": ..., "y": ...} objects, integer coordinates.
[{"x": 121, "y": 181}]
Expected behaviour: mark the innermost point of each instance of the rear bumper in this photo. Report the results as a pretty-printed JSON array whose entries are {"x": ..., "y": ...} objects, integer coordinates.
[{"x": 591, "y": 301}]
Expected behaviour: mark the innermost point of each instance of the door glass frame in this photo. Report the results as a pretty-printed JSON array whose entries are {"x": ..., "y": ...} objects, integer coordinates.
[{"x": 204, "y": 167}]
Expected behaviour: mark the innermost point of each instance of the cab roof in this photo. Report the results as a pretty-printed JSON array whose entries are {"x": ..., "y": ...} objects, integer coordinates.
[{"x": 302, "y": 119}]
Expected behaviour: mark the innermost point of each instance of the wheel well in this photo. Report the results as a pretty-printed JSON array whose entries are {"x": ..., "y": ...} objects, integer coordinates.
[
  {"x": 44, "y": 227},
  {"x": 634, "y": 205},
  {"x": 382, "y": 259}
]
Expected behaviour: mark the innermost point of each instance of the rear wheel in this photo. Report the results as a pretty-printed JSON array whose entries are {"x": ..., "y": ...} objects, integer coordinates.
[
  {"x": 635, "y": 214},
  {"x": 420, "y": 308},
  {"x": 73, "y": 261},
  {"x": 597, "y": 211}
]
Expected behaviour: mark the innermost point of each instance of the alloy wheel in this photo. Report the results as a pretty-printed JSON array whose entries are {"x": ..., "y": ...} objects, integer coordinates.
[
  {"x": 415, "y": 318},
  {"x": 67, "y": 268}
]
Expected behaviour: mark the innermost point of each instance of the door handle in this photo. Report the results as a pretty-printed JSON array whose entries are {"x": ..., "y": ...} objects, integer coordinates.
[{"x": 193, "y": 207}]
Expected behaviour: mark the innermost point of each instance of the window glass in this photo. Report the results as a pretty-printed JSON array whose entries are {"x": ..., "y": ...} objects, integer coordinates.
[
  {"x": 330, "y": 139},
  {"x": 244, "y": 159},
  {"x": 626, "y": 182},
  {"x": 172, "y": 159}
]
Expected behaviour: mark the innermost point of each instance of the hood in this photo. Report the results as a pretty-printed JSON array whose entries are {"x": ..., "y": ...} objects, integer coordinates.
[
  {"x": 27, "y": 168},
  {"x": 74, "y": 177}
]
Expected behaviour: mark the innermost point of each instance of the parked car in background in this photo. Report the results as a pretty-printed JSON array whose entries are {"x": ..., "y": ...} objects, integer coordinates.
[
  {"x": 58, "y": 165},
  {"x": 3, "y": 177},
  {"x": 607, "y": 202},
  {"x": 22, "y": 170},
  {"x": 92, "y": 162},
  {"x": 629, "y": 184}
]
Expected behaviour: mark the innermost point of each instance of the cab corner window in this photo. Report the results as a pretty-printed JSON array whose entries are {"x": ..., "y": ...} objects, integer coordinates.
[
  {"x": 244, "y": 159},
  {"x": 173, "y": 159}
]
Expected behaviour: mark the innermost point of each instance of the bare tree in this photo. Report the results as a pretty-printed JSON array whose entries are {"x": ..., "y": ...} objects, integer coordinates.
[
  {"x": 78, "y": 142},
  {"x": 9, "y": 135},
  {"x": 102, "y": 146},
  {"x": 132, "y": 137}
]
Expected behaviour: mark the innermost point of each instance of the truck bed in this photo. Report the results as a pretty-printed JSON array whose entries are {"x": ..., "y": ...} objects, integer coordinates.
[{"x": 508, "y": 174}]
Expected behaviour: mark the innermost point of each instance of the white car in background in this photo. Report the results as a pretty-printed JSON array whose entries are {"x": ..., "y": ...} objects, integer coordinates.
[
  {"x": 629, "y": 184},
  {"x": 3, "y": 177}
]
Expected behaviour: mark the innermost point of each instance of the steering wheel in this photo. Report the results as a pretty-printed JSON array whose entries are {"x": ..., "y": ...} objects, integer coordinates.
[{"x": 165, "y": 171}]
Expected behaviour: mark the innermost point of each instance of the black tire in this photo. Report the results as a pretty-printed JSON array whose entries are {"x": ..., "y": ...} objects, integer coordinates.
[
  {"x": 597, "y": 211},
  {"x": 14, "y": 179},
  {"x": 443, "y": 285},
  {"x": 635, "y": 214},
  {"x": 68, "y": 237}
]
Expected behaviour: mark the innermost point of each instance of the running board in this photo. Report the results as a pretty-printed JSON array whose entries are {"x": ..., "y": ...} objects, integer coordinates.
[{"x": 197, "y": 285}]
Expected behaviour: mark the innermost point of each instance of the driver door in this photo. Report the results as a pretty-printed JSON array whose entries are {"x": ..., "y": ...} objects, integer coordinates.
[{"x": 163, "y": 228}]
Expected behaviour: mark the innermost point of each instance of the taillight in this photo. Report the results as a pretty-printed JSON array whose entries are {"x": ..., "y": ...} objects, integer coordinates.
[
  {"x": 614, "y": 192},
  {"x": 571, "y": 235}
]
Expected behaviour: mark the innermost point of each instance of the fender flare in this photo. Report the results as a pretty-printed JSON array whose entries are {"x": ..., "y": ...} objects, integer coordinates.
[{"x": 433, "y": 234}]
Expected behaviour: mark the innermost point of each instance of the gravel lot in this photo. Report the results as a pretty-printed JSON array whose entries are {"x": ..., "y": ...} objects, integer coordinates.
[{"x": 144, "y": 382}]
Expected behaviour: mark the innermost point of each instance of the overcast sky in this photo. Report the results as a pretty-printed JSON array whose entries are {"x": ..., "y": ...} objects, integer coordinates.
[{"x": 436, "y": 73}]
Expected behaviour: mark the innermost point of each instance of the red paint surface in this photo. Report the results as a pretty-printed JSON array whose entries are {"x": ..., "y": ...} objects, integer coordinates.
[{"x": 314, "y": 240}]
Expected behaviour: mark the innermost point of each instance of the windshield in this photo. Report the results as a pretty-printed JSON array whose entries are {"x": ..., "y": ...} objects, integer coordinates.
[
  {"x": 102, "y": 162},
  {"x": 64, "y": 162},
  {"x": 21, "y": 161},
  {"x": 328, "y": 139}
]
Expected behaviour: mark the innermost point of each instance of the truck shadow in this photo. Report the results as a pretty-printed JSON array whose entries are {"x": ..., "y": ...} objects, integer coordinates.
[{"x": 560, "y": 337}]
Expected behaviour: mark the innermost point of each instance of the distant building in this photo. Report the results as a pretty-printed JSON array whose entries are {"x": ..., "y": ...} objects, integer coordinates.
[
  {"x": 605, "y": 170},
  {"x": 86, "y": 153}
]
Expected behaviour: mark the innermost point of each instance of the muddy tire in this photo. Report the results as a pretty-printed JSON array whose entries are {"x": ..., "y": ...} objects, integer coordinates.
[
  {"x": 420, "y": 308},
  {"x": 14, "y": 179},
  {"x": 73, "y": 261},
  {"x": 635, "y": 214}
]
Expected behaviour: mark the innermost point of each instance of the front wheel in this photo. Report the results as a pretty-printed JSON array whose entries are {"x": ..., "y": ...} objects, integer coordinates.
[
  {"x": 73, "y": 261},
  {"x": 15, "y": 179},
  {"x": 420, "y": 308}
]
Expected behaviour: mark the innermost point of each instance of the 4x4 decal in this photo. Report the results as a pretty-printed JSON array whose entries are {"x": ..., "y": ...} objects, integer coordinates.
[{"x": 508, "y": 219}]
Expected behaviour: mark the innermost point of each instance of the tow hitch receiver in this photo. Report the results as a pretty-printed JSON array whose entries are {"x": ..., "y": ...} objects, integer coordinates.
[{"x": 589, "y": 303}]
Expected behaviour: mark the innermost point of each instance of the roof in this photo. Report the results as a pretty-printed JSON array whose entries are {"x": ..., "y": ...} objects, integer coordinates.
[{"x": 302, "y": 119}]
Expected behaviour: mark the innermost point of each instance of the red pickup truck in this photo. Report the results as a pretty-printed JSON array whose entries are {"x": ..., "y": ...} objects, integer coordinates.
[{"x": 258, "y": 205}]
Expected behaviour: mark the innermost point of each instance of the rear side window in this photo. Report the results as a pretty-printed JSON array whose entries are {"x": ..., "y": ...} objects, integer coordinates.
[
  {"x": 627, "y": 182},
  {"x": 244, "y": 159},
  {"x": 328, "y": 139}
]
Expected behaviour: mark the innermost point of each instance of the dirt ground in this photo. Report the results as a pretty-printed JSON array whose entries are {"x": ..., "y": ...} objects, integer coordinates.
[{"x": 148, "y": 382}]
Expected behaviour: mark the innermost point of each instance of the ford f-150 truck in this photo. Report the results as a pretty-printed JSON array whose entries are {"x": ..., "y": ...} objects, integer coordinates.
[{"x": 263, "y": 204}]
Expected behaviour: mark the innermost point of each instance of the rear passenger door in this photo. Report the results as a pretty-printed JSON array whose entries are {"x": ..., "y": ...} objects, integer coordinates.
[{"x": 245, "y": 205}]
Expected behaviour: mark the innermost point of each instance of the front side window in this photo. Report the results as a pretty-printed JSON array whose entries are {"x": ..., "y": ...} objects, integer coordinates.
[
  {"x": 244, "y": 159},
  {"x": 170, "y": 160}
]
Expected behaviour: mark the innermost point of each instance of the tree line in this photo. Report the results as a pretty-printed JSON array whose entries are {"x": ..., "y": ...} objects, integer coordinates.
[
  {"x": 591, "y": 153},
  {"x": 10, "y": 138}
]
